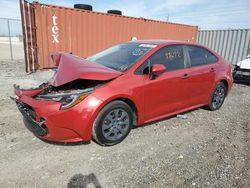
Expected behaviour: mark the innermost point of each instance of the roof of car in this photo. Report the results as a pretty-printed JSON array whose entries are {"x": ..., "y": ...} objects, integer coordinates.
[{"x": 163, "y": 42}]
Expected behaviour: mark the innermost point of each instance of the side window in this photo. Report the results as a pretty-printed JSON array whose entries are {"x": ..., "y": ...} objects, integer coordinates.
[
  {"x": 200, "y": 56},
  {"x": 171, "y": 57}
]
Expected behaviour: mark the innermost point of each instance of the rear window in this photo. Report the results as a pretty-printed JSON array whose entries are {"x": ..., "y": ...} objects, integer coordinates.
[{"x": 200, "y": 56}]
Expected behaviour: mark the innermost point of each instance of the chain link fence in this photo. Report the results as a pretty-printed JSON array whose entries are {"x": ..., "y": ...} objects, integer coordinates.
[{"x": 11, "y": 40}]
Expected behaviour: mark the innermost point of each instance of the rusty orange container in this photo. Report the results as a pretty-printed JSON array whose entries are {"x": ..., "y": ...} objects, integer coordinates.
[{"x": 82, "y": 32}]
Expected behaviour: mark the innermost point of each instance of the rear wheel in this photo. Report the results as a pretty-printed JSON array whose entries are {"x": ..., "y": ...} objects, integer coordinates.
[
  {"x": 113, "y": 123},
  {"x": 217, "y": 97}
]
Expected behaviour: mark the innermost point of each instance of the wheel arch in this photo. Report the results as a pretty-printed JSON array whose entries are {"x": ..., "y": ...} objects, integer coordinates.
[
  {"x": 225, "y": 82},
  {"x": 133, "y": 107}
]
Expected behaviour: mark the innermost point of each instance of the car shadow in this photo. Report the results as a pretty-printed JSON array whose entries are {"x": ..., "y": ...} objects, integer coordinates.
[
  {"x": 83, "y": 181},
  {"x": 64, "y": 143}
]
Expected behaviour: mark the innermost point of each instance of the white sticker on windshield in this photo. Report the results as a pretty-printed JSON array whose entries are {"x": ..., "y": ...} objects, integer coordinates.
[
  {"x": 139, "y": 51},
  {"x": 147, "y": 45}
]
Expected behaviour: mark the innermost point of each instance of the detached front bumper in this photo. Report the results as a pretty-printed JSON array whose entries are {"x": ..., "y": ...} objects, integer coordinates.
[
  {"x": 46, "y": 121},
  {"x": 36, "y": 127}
]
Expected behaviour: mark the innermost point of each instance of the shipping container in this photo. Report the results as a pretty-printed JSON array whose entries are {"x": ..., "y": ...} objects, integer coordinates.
[
  {"x": 49, "y": 28},
  {"x": 231, "y": 44}
]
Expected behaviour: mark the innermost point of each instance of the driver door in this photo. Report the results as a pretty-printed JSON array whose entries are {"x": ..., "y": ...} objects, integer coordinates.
[{"x": 166, "y": 93}]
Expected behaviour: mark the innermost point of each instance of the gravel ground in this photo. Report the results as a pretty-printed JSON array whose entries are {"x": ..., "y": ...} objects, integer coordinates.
[{"x": 208, "y": 149}]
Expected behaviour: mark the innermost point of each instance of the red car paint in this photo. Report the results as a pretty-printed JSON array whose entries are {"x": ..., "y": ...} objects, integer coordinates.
[
  {"x": 170, "y": 93},
  {"x": 27, "y": 92},
  {"x": 73, "y": 67}
]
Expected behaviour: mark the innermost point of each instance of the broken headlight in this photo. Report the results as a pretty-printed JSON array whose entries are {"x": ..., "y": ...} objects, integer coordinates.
[{"x": 67, "y": 99}]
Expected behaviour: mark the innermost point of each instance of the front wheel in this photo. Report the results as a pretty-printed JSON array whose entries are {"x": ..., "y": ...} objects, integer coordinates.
[
  {"x": 218, "y": 97},
  {"x": 113, "y": 123}
]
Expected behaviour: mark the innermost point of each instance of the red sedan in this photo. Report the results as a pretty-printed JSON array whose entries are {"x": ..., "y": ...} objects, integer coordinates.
[{"x": 104, "y": 96}]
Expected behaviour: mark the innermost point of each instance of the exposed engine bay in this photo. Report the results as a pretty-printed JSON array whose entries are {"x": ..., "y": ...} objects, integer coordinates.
[
  {"x": 76, "y": 85},
  {"x": 69, "y": 94}
]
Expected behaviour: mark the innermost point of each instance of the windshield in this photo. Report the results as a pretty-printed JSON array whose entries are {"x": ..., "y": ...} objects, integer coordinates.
[{"x": 122, "y": 56}]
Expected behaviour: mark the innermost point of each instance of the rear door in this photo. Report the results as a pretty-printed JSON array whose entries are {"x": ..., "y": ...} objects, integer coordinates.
[{"x": 201, "y": 74}]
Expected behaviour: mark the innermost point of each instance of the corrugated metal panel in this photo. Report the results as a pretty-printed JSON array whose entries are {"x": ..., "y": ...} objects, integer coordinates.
[
  {"x": 84, "y": 32},
  {"x": 233, "y": 45}
]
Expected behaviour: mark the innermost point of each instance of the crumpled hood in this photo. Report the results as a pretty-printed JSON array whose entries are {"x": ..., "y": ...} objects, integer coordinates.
[{"x": 71, "y": 67}]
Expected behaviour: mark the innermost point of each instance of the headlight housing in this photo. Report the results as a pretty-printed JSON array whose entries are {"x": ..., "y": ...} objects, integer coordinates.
[{"x": 67, "y": 99}]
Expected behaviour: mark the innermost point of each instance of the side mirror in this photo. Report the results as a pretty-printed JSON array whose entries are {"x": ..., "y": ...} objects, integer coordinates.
[
  {"x": 156, "y": 70},
  {"x": 248, "y": 57}
]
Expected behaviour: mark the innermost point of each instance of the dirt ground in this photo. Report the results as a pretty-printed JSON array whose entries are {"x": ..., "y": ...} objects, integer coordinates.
[{"x": 208, "y": 149}]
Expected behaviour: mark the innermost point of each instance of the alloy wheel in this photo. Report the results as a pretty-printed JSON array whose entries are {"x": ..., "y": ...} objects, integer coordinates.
[
  {"x": 218, "y": 97},
  {"x": 115, "y": 124}
]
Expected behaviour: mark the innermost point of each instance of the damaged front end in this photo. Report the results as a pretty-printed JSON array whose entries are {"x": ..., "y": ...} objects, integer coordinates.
[
  {"x": 38, "y": 127},
  {"x": 69, "y": 94},
  {"x": 51, "y": 111},
  {"x": 28, "y": 92},
  {"x": 38, "y": 106}
]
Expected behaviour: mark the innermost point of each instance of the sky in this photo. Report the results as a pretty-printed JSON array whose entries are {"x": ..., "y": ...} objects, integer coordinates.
[{"x": 206, "y": 14}]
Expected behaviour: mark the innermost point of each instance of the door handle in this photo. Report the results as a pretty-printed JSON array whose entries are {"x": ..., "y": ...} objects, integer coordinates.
[
  {"x": 185, "y": 76},
  {"x": 212, "y": 70}
]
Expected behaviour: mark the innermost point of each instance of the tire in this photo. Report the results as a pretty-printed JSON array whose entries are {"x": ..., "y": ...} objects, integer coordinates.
[
  {"x": 117, "y": 12},
  {"x": 113, "y": 123},
  {"x": 218, "y": 96},
  {"x": 83, "y": 6}
]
